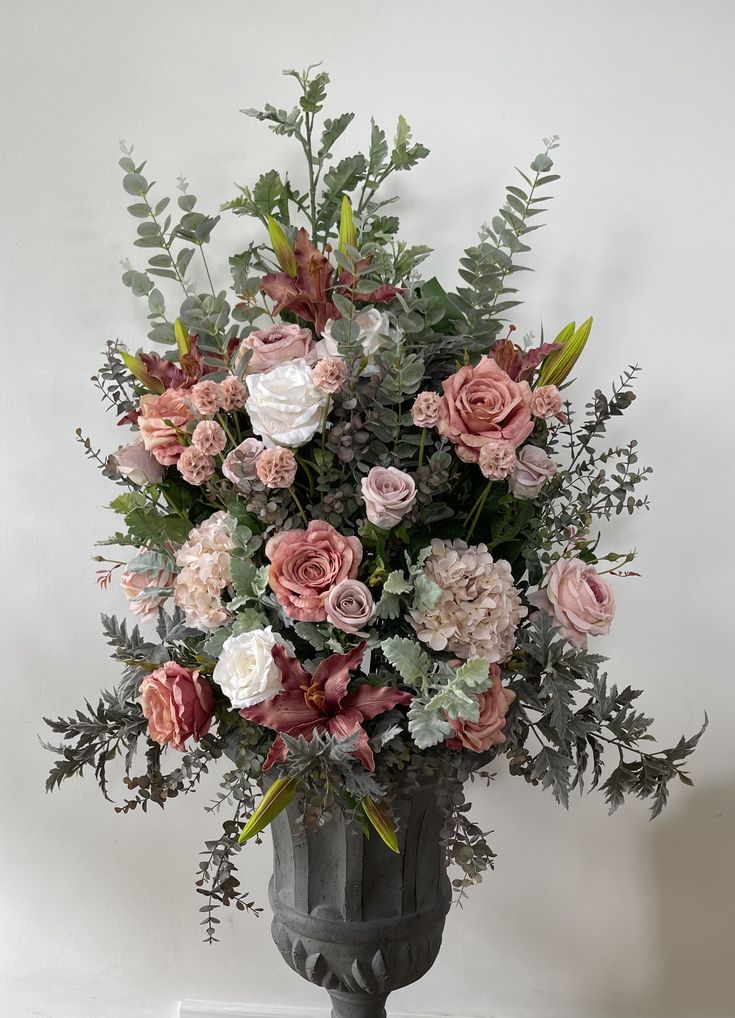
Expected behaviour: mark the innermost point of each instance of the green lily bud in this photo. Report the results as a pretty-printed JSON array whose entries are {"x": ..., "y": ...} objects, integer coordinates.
[
  {"x": 276, "y": 799},
  {"x": 281, "y": 247},
  {"x": 382, "y": 821},
  {"x": 181, "y": 334},
  {"x": 347, "y": 228},
  {"x": 557, "y": 366},
  {"x": 136, "y": 367}
]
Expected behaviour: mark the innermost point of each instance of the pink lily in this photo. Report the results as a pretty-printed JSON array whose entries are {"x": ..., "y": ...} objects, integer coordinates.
[{"x": 320, "y": 703}]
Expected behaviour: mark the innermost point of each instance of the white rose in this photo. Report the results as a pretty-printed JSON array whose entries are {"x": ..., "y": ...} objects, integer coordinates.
[
  {"x": 373, "y": 324},
  {"x": 284, "y": 405},
  {"x": 246, "y": 671}
]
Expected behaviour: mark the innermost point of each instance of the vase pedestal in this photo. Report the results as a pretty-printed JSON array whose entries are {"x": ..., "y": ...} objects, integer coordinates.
[{"x": 353, "y": 917}]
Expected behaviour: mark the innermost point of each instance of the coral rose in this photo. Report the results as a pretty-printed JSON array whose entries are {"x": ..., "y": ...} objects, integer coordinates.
[
  {"x": 278, "y": 343},
  {"x": 306, "y": 564},
  {"x": 388, "y": 494},
  {"x": 487, "y": 731},
  {"x": 581, "y": 602},
  {"x": 161, "y": 438},
  {"x": 178, "y": 704},
  {"x": 482, "y": 404}
]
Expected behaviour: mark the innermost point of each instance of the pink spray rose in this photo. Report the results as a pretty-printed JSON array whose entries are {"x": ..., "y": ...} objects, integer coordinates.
[
  {"x": 425, "y": 409},
  {"x": 276, "y": 468},
  {"x": 178, "y": 703},
  {"x": 581, "y": 602},
  {"x": 487, "y": 731},
  {"x": 497, "y": 459},
  {"x": 134, "y": 581},
  {"x": 330, "y": 374},
  {"x": 278, "y": 343},
  {"x": 306, "y": 564},
  {"x": 136, "y": 464},
  {"x": 209, "y": 437},
  {"x": 239, "y": 464},
  {"x": 388, "y": 494},
  {"x": 350, "y": 606},
  {"x": 160, "y": 438},
  {"x": 532, "y": 470},
  {"x": 482, "y": 404},
  {"x": 546, "y": 402},
  {"x": 232, "y": 393},
  {"x": 195, "y": 466},
  {"x": 207, "y": 398}
]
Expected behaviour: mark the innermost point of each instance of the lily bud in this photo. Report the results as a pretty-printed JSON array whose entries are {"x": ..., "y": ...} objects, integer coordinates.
[
  {"x": 347, "y": 228},
  {"x": 557, "y": 366},
  {"x": 136, "y": 367},
  {"x": 181, "y": 333},
  {"x": 281, "y": 248},
  {"x": 280, "y": 794}
]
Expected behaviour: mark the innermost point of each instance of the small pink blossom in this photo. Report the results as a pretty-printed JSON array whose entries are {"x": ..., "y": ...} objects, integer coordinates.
[
  {"x": 481, "y": 735},
  {"x": 239, "y": 464},
  {"x": 232, "y": 393},
  {"x": 276, "y": 468},
  {"x": 178, "y": 704},
  {"x": 330, "y": 374},
  {"x": 546, "y": 402},
  {"x": 209, "y": 437},
  {"x": 497, "y": 459},
  {"x": 195, "y": 466},
  {"x": 425, "y": 409},
  {"x": 207, "y": 398}
]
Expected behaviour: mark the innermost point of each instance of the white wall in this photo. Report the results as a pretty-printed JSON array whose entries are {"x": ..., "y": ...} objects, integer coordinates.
[{"x": 585, "y": 915}]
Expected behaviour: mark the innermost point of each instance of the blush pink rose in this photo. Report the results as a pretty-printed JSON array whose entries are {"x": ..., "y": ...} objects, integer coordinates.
[
  {"x": 178, "y": 704},
  {"x": 350, "y": 606},
  {"x": 389, "y": 494},
  {"x": 531, "y": 471},
  {"x": 136, "y": 464},
  {"x": 159, "y": 437},
  {"x": 581, "y": 602},
  {"x": 481, "y": 735},
  {"x": 483, "y": 404},
  {"x": 278, "y": 343},
  {"x": 306, "y": 564},
  {"x": 134, "y": 582}
]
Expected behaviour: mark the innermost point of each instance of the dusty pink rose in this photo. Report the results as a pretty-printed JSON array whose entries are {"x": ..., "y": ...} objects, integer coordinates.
[
  {"x": 209, "y": 437},
  {"x": 178, "y": 703},
  {"x": 207, "y": 398},
  {"x": 350, "y": 606},
  {"x": 532, "y": 470},
  {"x": 546, "y": 402},
  {"x": 276, "y": 468},
  {"x": 232, "y": 393},
  {"x": 487, "y": 731},
  {"x": 330, "y": 374},
  {"x": 388, "y": 494},
  {"x": 136, "y": 464},
  {"x": 497, "y": 459},
  {"x": 135, "y": 581},
  {"x": 425, "y": 409},
  {"x": 581, "y": 602},
  {"x": 306, "y": 564},
  {"x": 160, "y": 438},
  {"x": 195, "y": 466},
  {"x": 239, "y": 465},
  {"x": 482, "y": 404},
  {"x": 278, "y": 343}
]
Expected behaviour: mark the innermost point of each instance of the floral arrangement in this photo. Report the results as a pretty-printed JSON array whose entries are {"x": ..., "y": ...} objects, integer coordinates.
[{"x": 362, "y": 519}]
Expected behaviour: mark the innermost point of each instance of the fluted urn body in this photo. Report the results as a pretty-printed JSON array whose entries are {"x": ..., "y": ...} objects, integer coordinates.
[{"x": 352, "y": 916}]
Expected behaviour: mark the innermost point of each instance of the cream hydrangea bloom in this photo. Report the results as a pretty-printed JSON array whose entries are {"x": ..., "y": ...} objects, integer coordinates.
[
  {"x": 204, "y": 563},
  {"x": 479, "y": 609}
]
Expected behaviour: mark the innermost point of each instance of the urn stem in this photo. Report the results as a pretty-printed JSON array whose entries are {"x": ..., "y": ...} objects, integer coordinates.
[{"x": 358, "y": 1005}]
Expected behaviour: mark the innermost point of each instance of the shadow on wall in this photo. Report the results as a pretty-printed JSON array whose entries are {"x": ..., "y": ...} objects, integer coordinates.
[{"x": 692, "y": 887}]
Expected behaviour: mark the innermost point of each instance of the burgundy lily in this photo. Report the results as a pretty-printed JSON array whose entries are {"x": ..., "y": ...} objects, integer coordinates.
[
  {"x": 517, "y": 363},
  {"x": 320, "y": 703}
]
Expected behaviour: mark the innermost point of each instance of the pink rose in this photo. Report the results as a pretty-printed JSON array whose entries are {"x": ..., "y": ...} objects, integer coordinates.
[
  {"x": 497, "y": 459},
  {"x": 481, "y": 404},
  {"x": 546, "y": 402},
  {"x": 350, "y": 606},
  {"x": 276, "y": 468},
  {"x": 209, "y": 437},
  {"x": 239, "y": 465},
  {"x": 306, "y": 564},
  {"x": 160, "y": 438},
  {"x": 425, "y": 409},
  {"x": 487, "y": 731},
  {"x": 388, "y": 494},
  {"x": 232, "y": 393},
  {"x": 581, "y": 602},
  {"x": 178, "y": 703},
  {"x": 134, "y": 582},
  {"x": 207, "y": 398},
  {"x": 278, "y": 343},
  {"x": 532, "y": 470},
  {"x": 195, "y": 466},
  {"x": 136, "y": 464},
  {"x": 330, "y": 375}
]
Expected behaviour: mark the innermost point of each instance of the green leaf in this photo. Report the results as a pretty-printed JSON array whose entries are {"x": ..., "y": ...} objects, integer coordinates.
[
  {"x": 135, "y": 183},
  {"x": 409, "y": 660},
  {"x": 427, "y": 727}
]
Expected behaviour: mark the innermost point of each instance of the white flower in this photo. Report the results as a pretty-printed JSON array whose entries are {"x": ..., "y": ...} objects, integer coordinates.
[
  {"x": 284, "y": 405},
  {"x": 246, "y": 671},
  {"x": 373, "y": 325}
]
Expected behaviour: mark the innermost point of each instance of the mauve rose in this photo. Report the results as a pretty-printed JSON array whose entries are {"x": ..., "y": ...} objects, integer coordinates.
[
  {"x": 232, "y": 393},
  {"x": 350, "y": 606},
  {"x": 425, "y": 409},
  {"x": 195, "y": 466},
  {"x": 546, "y": 402},
  {"x": 497, "y": 459},
  {"x": 209, "y": 437},
  {"x": 532, "y": 470},
  {"x": 482, "y": 404},
  {"x": 160, "y": 438},
  {"x": 388, "y": 494},
  {"x": 278, "y": 343},
  {"x": 481, "y": 735},
  {"x": 306, "y": 564},
  {"x": 207, "y": 398},
  {"x": 239, "y": 465},
  {"x": 178, "y": 704},
  {"x": 135, "y": 464},
  {"x": 135, "y": 581},
  {"x": 581, "y": 601},
  {"x": 276, "y": 468}
]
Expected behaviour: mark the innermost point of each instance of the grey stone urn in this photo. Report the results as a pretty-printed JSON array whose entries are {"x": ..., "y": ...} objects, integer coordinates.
[{"x": 354, "y": 917}]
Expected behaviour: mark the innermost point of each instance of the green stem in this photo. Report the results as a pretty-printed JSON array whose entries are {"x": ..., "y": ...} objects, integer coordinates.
[
  {"x": 309, "y": 475},
  {"x": 421, "y": 446},
  {"x": 299, "y": 506},
  {"x": 206, "y": 269},
  {"x": 475, "y": 513},
  {"x": 226, "y": 430}
]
